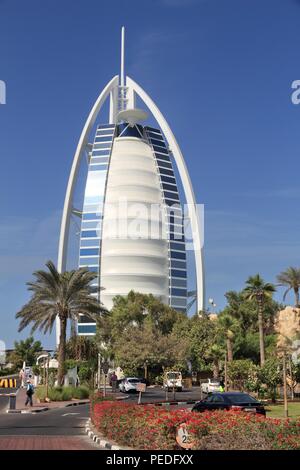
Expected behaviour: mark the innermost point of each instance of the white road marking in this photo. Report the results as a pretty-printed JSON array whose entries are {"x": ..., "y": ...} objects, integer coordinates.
[{"x": 68, "y": 414}]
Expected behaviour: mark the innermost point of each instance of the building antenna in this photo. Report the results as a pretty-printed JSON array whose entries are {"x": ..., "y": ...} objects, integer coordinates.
[{"x": 122, "y": 55}]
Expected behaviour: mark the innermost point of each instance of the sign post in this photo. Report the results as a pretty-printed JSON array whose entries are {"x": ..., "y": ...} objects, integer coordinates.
[
  {"x": 141, "y": 388},
  {"x": 105, "y": 368}
]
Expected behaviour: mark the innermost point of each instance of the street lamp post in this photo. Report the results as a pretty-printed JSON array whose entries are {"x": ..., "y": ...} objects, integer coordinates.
[
  {"x": 225, "y": 373},
  {"x": 286, "y": 411},
  {"x": 99, "y": 371},
  {"x": 105, "y": 368}
]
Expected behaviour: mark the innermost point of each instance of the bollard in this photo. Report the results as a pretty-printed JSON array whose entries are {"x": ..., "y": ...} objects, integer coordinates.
[{"x": 12, "y": 401}]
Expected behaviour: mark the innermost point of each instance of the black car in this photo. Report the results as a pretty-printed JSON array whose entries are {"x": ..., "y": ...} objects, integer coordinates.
[{"x": 230, "y": 401}]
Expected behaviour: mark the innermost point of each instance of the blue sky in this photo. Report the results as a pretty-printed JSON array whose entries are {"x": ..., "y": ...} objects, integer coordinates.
[{"x": 221, "y": 73}]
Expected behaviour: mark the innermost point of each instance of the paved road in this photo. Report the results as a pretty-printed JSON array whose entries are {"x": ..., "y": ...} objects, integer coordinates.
[
  {"x": 158, "y": 394},
  {"x": 59, "y": 429},
  {"x": 4, "y": 399}
]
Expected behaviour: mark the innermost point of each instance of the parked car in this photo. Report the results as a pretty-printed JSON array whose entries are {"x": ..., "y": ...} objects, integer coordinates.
[
  {"x": 230, "y": 401},
  {"x": 211, "y": 385},
  {"x": 173, "y": 379},
  {"x": 129, "y": 384}
]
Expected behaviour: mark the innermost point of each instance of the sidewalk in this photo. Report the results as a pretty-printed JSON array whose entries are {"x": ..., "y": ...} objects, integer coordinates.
[
  {"x": 46, "y": 443},
  {"x": 21, "y": 399}
]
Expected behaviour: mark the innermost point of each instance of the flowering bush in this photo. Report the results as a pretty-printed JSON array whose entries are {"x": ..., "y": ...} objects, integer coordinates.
[{"x": 150, "y": 427}]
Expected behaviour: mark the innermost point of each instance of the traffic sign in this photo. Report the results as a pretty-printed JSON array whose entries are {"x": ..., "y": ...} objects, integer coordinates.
[
  {"x": 140, "y": 387},
  {"x": 183, "y": 438}
]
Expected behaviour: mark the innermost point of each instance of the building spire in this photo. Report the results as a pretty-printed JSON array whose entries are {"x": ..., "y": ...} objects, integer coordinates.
[{"x": 122, "y": 78}]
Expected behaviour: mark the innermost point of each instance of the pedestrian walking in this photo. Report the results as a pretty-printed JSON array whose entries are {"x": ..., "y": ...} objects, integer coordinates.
[{"x": 29, "y": 393}]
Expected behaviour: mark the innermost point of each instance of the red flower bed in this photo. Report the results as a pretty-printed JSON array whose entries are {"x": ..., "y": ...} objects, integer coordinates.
[{"x": 150, "y": 427}]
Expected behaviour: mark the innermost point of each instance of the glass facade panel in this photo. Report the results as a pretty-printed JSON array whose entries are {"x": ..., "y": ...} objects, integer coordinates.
[
  {"x": 179, "y": 292},
  {"x": 177, "y": 302},
  {"x": 105, "y": 145},
  {"x": 164, "y": 164},
  {"x": 89, "y": 252},
  {"x": 89, "y": 234},
  {"x": 177, "y": 246},
  {"x": 169, "y": 187},
  {"x": 168, "y": 179},
  {"x": 89, "y": 261},
  {"x": 86, "y": 329},
  {"x": 165, "y": 171},
  {"x": 178, "y": 273},
  {"x": 178, "y": 264},
  {"x": 89, "y": 242},
  {"x": 161, "y": 150},
  {"x": 178, "y": 282},
  {"x": 103, "y": 160},
  {"x": 90, "y": 216},
  {"x": 178, "y": 255},
  {"x": 169, "y": 195},
  {"x": 160, "y": 143}
]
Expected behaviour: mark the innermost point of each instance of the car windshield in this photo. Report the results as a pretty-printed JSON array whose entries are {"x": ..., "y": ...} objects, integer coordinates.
[
  {"x": 173, "y": 375},
  {"x": 134, "y": 381},
  {"x": 241, "y": 398}
]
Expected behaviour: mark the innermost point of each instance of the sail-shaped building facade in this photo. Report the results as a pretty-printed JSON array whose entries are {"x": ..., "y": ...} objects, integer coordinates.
[{"x": 132, "y": 219}]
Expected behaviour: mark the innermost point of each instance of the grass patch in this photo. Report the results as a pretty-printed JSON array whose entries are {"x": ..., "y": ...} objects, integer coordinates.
[{"x": 277, "y": 411}]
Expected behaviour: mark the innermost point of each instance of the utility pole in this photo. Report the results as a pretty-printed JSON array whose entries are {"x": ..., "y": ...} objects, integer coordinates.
[
  {"x": 286, "y": 411},
  {"x": 47, "y": 377},
  {"x": 225, "y": 373},
  {"x": 291, "y": 377},
  {"x": 99, "y": 371}
]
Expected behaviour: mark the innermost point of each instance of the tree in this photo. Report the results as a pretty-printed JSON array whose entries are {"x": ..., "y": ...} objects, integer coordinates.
[
  {"x": 229, "y": 327},
  {"x": 271, "y": 375},
  {"x": 27, "y": 351},
  {"x": 257, "y": 289},
  {"x": 133, "y": 310},
  {"x": 291, "y": 279},
  {"x": 216, "y": 355},
  {"x": 201, "y": 333},
  {"x": 242, "y": 372},
  {"x": 139, "y": 344},
  {"x": 63, "y": 295},
  {"x": 81, "y": 348}
]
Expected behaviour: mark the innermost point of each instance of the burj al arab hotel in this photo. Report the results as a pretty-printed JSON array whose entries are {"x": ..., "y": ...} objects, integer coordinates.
[{"x": 132, "y": 227}]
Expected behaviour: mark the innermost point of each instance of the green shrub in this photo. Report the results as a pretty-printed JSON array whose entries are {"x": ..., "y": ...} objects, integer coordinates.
[
  {"x": 81, "y": 392},
  {"x": 62, "y": 393},
  {"x": 54, "y": 395},
  {"x": 40, "y": 393}
]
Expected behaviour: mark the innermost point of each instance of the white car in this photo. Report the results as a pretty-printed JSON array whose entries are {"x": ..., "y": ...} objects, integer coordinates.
[
  {"x": 212, "y": 385},
  {"x": 129, "y": 384}
]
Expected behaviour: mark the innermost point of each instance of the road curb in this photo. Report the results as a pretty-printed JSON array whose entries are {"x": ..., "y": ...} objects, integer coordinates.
[
  {"x": 170, "y": 403},
  {"x": 27, "y": 412},
  {"x": 46, "y": 408},
  {"x": 98, "y": 439}
]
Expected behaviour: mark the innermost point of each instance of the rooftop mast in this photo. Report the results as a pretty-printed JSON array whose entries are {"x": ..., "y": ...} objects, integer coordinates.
[{"x": 122, "y": 83}]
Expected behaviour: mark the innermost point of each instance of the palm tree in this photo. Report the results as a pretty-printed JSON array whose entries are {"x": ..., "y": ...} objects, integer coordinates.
[
  {"x": 228, "y": 326},
  {"x": 291, "y": 279},
  {"x": 258, "y": 289},
  {"x": 216, "y": 354},
  {"x": 63, "y": 295}
]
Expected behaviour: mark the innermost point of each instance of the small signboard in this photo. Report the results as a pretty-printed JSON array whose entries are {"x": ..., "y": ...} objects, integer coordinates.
[
  {"x": 140, "y": 387},
  {"x": 183, "y": 438}
]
